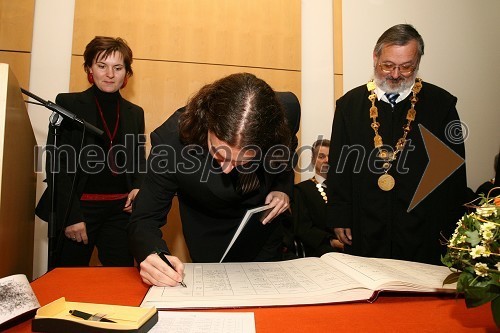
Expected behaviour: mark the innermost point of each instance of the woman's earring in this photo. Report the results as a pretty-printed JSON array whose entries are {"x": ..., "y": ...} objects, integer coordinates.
[{"x": 90, "y": 77}]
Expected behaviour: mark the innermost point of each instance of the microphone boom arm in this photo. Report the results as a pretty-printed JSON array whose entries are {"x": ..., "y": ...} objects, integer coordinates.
[{"x": 63, "y": 112}]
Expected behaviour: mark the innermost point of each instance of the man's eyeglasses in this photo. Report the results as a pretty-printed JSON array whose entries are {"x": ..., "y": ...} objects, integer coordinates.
[{"x": 405, "y": 69}]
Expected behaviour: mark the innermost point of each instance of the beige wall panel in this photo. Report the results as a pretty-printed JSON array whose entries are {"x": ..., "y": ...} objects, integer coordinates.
[
  {"x": 338, "y": 86},
  {"x": 19, "y": 64},
  {"x": 337, "y": 38},
  {"x": 16, "y": 28},
  {"x": 338, "y": 54},
  {"x": 257, "y": 33}
]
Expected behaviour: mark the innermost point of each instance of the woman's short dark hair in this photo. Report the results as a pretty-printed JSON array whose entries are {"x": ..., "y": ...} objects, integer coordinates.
[
  {"x": 240, "y": 109},
  {"x": 103, "y": 47}
]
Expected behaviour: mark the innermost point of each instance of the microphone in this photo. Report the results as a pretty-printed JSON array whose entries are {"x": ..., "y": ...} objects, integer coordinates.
[{"x": 63, "y": 112}]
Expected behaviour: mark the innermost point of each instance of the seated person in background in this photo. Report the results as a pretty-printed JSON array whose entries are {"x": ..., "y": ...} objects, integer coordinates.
[
  {"x": 486, "y": 187},
  {"x": 227, "y": 151},
  {"x": 309, "y": 207}
]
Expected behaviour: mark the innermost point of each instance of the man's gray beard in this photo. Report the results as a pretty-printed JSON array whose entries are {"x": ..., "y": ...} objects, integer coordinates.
[{"x": 407, "y": 83}]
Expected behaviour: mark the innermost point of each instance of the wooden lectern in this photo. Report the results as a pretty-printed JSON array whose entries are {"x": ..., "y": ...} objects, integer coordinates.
[{"x": 17, "y": 179}]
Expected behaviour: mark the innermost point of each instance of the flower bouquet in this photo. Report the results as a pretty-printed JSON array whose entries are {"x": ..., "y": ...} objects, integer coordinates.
[{"x": 473, "y": 255}]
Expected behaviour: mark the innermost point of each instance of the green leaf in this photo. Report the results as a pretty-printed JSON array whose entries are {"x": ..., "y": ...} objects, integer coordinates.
[
  {"x": 452, "y": 278},
  {"x": 464, "y": 281},
  {"x": 484, "y": 283},
  {"x": 447, "y": 261},
  {"x": 473, "y": 237},
  {"x": 470, "y": 270},
  {"x": 495, "y": 279},
  {"x": 476, "y": 296},
  {"x": 495, "y": 310}
]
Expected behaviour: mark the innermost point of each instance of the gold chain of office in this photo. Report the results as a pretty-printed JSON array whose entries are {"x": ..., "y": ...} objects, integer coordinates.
[
  {"x": 320, "y": 189},
  {"x": 386, "y": 182}
]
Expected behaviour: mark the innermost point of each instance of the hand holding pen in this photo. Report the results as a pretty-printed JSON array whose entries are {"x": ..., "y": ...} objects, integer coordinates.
[
  {"x": 163, "y": 257},
  {"x": 155, "y": 271}
]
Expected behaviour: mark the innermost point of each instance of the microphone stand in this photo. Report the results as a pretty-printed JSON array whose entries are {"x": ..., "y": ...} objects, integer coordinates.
[
  {"x": 54, "y": 123},
  {"x": 59, "y": 113}
]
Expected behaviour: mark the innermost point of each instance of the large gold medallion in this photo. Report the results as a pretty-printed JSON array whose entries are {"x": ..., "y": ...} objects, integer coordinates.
[{"x": 386, "y": 182}]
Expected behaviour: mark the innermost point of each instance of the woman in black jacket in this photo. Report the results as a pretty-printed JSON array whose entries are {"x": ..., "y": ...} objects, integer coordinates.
[{"x": 98, "y": 177}]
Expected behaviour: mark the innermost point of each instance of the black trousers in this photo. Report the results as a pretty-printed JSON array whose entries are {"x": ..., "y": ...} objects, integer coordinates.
[{"x": 106, "y": 224}]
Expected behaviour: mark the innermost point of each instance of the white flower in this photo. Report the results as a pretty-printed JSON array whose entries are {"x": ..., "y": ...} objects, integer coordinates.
[
  {"x": 478, "y": 251},
  {"x": 497, "y": 265},
  {"x": 453, "y": 239},
  {"x": 486, "y": 210},
  {"x": 487, "y": 235},
  {"x": 481, "y": 269},
  {"x": 488, "y": 226}
]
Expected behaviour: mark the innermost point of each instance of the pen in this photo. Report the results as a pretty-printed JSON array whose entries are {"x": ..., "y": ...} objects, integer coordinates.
[
  {"x": 88, "y": 316},
  {"x": 165, "y": 260}
]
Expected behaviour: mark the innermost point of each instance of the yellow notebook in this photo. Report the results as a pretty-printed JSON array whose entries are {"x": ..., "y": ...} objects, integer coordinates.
[{"x": 62, "y": 316}]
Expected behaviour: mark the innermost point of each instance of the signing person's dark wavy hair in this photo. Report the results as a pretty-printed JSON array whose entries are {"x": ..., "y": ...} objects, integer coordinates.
[{"x": 240, "y": 109}]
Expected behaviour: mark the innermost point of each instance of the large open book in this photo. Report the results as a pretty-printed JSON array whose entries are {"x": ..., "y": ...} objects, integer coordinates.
[{"x": 335, "y": 277}]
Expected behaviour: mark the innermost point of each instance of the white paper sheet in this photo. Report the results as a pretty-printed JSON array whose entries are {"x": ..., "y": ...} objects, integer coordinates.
[
  {"x": 204, "y": 322},
  {"x": 242, "y": 225}
]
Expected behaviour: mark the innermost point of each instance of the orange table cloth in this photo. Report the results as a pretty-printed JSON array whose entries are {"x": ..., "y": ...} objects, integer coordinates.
[{"x": 389, "y": 313}]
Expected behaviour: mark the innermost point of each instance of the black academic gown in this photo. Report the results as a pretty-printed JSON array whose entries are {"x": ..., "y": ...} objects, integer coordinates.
[
  {"x": 210, "y": 208},
  {"x": 309, "y": 219},
  {"x": 380, "y": 222}
]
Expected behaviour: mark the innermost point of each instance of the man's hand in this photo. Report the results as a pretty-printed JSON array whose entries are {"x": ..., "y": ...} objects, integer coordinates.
[
  {"x": 157, "y": 273},
  {"x": 343, "y": 235},
  {"x": 279, "y": 201}
]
